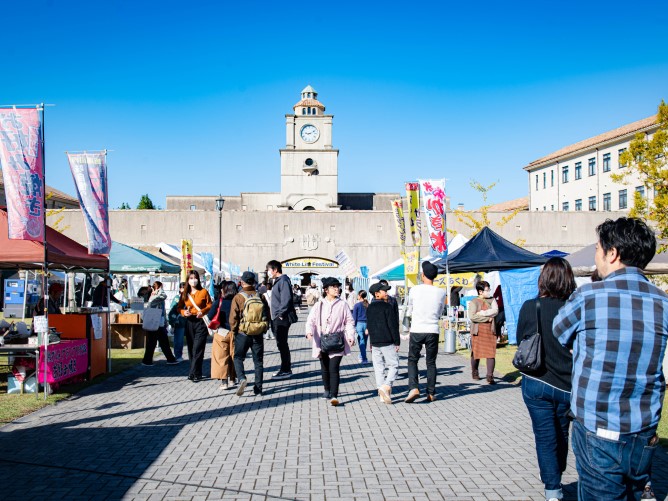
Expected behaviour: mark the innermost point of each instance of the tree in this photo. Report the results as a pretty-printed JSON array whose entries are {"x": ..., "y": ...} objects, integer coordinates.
[
  {"x": 145, "y": 203},
  {"x": 647, "y": 158},
  {"x": 124, "y": 206}
]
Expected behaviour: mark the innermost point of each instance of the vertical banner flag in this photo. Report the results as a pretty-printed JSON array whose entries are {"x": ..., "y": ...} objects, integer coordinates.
[
  {"x": 89, "y": 171},
  {"x": 432, "y": 193},
  {"x": 23, "y": 172},
  {"x": 413, "y": 197},
  {"x": 400, "y": 223},
  {"x": 411, "y": 267},
  {"x": 186, "y": 259},
  {"x": 346, "y": 264}
]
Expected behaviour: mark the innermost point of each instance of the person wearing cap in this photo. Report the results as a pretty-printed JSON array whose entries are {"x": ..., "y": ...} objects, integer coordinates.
[
  {"x": 330, "y": 316},
  {"x": 425, "y": 305},
  {"x": 243, "y": 342},
  {"x": 384, "y": 338}
]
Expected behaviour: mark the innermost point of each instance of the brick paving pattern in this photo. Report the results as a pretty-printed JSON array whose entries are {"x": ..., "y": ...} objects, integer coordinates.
[{"x": 149, "y": 433}]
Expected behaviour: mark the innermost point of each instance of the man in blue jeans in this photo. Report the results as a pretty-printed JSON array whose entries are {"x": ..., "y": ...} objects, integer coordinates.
[{"x": 617, "y": 330}]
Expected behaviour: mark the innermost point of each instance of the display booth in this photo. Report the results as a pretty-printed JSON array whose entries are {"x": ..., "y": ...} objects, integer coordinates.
[{"x": 83, "y": 349}]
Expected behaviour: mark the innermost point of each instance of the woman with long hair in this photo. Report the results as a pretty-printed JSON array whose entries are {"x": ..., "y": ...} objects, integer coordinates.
[
  {"x": 195, "y": 302},
  {"x": 331, "y": 317},
  {"x": 222, "y": 349},
  {"x": 359, "y": 317},
  {"x": 547, "y": 392},
  {"x": 157, "y": 300},
  {"x": 482, "y": 311}
]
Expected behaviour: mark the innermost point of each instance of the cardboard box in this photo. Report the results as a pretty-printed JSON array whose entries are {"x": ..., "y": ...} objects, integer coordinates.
[{"x": 128, "y": 318}]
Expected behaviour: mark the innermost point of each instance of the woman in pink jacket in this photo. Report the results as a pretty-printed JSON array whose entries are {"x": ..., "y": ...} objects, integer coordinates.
[{"x": 331, "y": 328}]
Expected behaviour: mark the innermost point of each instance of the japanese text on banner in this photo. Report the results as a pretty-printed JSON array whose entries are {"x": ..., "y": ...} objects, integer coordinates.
[
  {"x": 398, "y": 211},
  {"x": 432, "y": 193},
  {"x": 413, "y": 197},
  {"x": 23, "y": 172},
  {"x": 186, "y": 259},
  {"x": 89, "y": 171}
]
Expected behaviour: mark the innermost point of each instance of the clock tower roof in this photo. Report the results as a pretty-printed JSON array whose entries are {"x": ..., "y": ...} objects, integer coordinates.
[{"x": 309, "y": 102}]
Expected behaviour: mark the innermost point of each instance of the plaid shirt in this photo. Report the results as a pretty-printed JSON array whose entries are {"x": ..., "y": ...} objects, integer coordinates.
[{"x": 618, "y": 330}]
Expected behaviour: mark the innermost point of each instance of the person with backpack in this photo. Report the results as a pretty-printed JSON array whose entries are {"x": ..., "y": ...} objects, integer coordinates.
[{"x": 249, "y": 320}]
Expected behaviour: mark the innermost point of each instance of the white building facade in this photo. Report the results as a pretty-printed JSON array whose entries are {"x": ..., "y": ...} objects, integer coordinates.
[{"x": 579, "y": 177}]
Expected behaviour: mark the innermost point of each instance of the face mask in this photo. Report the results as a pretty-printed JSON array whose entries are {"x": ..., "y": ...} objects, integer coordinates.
[
  {"x": 193, "y": 282},
  {"x": 270, "y": 273}
]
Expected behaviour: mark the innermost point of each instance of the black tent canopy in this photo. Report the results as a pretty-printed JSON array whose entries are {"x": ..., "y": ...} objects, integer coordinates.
[{"x": 488, "y": 251}]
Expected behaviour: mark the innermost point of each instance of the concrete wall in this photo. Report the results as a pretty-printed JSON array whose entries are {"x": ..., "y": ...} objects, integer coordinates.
[{"x": 251, "y": 238}]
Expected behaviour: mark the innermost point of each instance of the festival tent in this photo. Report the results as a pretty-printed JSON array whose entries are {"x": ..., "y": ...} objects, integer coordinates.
[
  {"x": 126, "y": 259},
  {"x": 175, "y": 252},
  {"x": 554, "y": 253},
  {"x": 488, "y": 251},
  {"x": 582, "y": 262},
  {"x": 62, "y": 253}
]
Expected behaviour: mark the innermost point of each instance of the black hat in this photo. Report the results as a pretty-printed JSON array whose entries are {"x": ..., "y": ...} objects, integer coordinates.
[
  {"x": 429, "y": 270},
  {"x": 379, "y": 286},
  {"x": 329, "y": 281},
  {"x": 248, "y": 277}
]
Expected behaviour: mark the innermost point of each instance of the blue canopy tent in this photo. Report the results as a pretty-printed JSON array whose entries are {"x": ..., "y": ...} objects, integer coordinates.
[{"x": 554, "y": 253}]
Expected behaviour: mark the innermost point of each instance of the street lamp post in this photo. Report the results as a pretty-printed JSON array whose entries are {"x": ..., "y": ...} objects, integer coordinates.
[{"x": 220, "y": 201}]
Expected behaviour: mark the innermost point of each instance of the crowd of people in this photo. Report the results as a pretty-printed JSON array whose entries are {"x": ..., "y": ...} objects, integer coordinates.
[{"x": 603, "y": 345}]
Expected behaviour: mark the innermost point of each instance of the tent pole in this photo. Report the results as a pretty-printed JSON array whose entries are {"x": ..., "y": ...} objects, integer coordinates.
[{"x": 45, "y": 294}]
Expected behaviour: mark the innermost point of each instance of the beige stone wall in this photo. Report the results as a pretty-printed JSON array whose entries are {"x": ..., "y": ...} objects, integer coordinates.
[{"x": 251, "y": 238}]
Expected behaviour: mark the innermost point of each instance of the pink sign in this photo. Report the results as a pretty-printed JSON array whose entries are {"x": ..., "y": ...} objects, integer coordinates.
[
  {"x": 22, "y": 171},
  {"x": 433, "y": 198},
  {"x": 63, "y": 360}
]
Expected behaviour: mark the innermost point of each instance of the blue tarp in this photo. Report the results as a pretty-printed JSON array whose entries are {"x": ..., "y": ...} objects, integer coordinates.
[
  {"x": 554, "y": 253},
  {"x": 517, "y": 286}
]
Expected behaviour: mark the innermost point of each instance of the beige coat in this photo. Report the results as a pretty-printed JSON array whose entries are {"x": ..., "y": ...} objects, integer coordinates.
[{"x": 478, "y": 317}]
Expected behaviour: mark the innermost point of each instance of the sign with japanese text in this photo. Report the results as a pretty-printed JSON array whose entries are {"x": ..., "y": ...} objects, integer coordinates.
[
  {"x": 399, "y": 222},
  {"x": 346, "y": 264},
  {"x": 186, "y": 259},
  {"x": 23, "y": 172},
  {"x": 413, "y": 197},
  {"x": 89, "y": 171},
  {"x": 432, "y": 193},
  {"x": 63, "y": 360},
  {"x": 464, "y": 280},
  {"x": 411, "y": 267}
]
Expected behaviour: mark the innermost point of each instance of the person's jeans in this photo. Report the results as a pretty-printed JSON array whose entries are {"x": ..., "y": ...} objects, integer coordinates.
[
  {"x": 153, "y": 338},
  {"x": 361, "y": 339},
  {"x": 385, "y": 357},
  {"x": 612, "y": 469},
  {"x": 330, "y": 367},
  {"x": 430, "y": 341},
  {"x": 281, "y": 329},
  {"x": 179, "y": 333},
  {"x": 196, "y": 337},
  {"x": 243, "y": 343},
  {"x": 548, "y": 408}
]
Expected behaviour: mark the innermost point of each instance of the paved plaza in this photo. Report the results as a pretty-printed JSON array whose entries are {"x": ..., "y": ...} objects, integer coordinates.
[{"x": 151, "y": 434}]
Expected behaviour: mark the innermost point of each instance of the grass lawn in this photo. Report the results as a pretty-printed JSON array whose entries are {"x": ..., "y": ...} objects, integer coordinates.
[
  {"x": 14, "y": 406},
  {"x": 504, "y": 366}
]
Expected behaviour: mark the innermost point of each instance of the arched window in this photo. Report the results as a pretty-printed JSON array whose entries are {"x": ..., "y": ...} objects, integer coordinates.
[
  {"x": 303, "y": 111},
  {"x": 315, "y": 111},
  {"x": 309, "y": 94},
  {"x": 309, "y": 207}
]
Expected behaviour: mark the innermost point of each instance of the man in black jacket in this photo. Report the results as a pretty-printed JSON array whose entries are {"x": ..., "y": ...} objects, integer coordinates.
[
  {"x": 282, "y": 313},
  {"x": 383, "y": 330}
]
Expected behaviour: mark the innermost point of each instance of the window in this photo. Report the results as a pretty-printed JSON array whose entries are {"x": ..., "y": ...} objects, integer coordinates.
[
  {"x": 619, "y": 154},
  {"x": 592, "y": 166},
  {"x": 303, "y": 111},
  {"x": 544, "y": 208},
  {"x": 578, "y": 204},
  {"x": 193, "y": 207},
  {"x": 536, "y": 182},
  {"x": 544, "y": 180},
  {"x": 606, "y": 162},
  {"x": 606, "y": 202},
  {"x": 641, "y": 190},
  {"x": 578, "y": 170},
  {"x": 552, "y": 177},
  {"x": 623, "y": 201},
  {"x": 552, "y": 207},
  {"x": 315, "y": 111},
  {"x": 592, "y": 203},
  {"x": 564, "y": 206},
  {"x": 564, "y": 174}
]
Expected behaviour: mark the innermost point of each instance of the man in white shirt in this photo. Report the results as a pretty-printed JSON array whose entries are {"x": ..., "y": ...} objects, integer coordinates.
[{"x": 425, "y": 305}]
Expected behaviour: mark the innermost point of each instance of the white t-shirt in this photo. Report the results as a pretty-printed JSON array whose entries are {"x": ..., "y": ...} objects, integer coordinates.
[{"x": 425, "y": 305}]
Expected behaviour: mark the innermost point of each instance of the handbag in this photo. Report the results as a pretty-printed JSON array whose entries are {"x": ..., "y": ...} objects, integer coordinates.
[
  {"x": 331, "y": 342},
  {"x": 215, "y": 321},
  {"x": 529, "y": 355},
  {"x": 207, "y": 320},
  {"x": 292, "y": 316},
  {"x": 152, "y": 319}
]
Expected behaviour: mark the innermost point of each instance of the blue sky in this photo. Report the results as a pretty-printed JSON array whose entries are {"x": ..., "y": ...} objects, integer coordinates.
[{"x": 191, "y": 96}]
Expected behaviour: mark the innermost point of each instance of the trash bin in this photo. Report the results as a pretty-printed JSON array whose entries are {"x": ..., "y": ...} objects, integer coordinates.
[{"x": 450, "y": 345}]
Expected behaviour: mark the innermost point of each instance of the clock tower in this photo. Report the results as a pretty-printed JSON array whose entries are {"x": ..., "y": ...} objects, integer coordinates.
[{"x": 309, "y": 164}]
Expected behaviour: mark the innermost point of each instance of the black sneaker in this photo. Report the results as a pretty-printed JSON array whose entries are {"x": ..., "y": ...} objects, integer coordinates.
[
  {"x": 648, "y": 494},
  {"x": 327, "y": 395},
  {"x": 146, "y": 365},
  {"x": 257, "y": 391},
  {"x": 282, "y": 375}
]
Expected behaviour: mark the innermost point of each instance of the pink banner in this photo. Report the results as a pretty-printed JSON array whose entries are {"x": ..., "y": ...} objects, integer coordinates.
[
  {"x": 433, "y": 199},
  {"x": 22, "y": 171},
  {"x": 63, "y": 360}
]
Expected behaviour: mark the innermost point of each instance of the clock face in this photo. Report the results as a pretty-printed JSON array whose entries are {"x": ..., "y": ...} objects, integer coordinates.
[{"x": 310, "y": 133}]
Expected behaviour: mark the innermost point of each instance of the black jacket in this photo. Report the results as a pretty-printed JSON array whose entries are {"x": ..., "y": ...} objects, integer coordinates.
[{"x": 382, "y": 324}]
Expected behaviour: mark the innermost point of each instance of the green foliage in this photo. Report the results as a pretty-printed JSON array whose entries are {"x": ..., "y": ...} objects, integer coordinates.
[
  {"x": 145, "y": 203},
  {"x": 125, "y": 206},
  {"x": 647, "y": 158}
]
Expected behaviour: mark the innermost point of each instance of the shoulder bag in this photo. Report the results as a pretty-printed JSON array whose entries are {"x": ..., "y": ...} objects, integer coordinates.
[
  {"x": 152, "y": 319},
  {"x": 215, "y": 326},
  {"x": 330, "y": 342},
  {"x": 529, "y": 355},
  {"x": 206, "y": 319}
]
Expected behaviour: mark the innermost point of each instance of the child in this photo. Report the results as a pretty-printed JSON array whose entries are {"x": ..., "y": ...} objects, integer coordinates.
[{"x": 383, "y": 329}]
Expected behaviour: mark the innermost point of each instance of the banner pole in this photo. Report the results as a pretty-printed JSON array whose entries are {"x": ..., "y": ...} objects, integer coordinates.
[{"x": 45, "y": 294}]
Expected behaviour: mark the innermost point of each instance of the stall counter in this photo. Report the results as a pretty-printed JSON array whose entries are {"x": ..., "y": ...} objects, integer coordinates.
[{"x": 90, "y": 326}]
